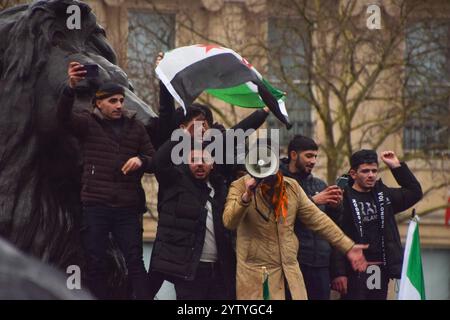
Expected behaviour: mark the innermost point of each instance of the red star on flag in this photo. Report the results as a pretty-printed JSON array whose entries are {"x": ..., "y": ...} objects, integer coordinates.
[
  {"x": 247, "y": 63},
  {"x": 209, "y": 46}
]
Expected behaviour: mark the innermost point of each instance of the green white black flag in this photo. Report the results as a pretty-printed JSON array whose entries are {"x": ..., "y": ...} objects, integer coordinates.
[
  {"x": 412, "y": 285},
  {"x": 188, "y": 71}
]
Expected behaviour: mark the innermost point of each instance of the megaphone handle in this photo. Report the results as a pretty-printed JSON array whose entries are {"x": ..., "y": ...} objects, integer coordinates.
[
  {"x": 258, "y": 181},
  {"x": 259, "y": 211}
]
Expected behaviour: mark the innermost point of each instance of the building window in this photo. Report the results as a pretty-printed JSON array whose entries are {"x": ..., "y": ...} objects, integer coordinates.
[
  {"x": 288, "y": 47},
  {"x": 148, "y": 34},
  {"x": 428, "y": 87}
]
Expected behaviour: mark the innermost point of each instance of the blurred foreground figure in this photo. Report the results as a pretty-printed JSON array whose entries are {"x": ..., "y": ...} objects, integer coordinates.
[{"x": 24, "y": 278}]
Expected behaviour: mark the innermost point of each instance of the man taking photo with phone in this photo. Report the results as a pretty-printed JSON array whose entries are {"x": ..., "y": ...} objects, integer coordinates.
[
  {"x": 368, "y": 217},
  {"x": 116, "y": 151},
  {"x": 314, "y": 252}
]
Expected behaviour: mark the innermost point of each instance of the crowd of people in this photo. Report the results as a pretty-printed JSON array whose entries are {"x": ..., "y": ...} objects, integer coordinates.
[{"x": 220, "y": 229}]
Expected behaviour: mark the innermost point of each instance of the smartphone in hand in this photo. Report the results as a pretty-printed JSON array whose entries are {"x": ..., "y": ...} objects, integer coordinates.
[
  {"x": 91, "y": 70},
  {"x": 342, "y": 182}
]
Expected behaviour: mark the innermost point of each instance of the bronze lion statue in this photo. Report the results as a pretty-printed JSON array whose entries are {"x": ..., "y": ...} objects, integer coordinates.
[{"x": 39, "y": 163}]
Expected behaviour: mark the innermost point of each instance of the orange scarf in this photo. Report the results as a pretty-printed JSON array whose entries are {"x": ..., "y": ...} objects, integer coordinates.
[{"x": 275, "y": 194}]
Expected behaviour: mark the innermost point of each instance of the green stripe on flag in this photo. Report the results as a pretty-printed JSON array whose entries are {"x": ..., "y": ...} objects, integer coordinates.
[
  {"x": 244, "y": 96},
  {"x": 415, "y": 271}
]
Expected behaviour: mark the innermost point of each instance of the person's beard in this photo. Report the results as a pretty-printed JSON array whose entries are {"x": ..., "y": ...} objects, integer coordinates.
[
  {"x": 270, "y": 180},
  {"x": 300, "y": 167}
]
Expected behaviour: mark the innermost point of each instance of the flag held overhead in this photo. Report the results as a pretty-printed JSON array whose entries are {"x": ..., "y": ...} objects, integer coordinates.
[{"x": 188, "y": 71}]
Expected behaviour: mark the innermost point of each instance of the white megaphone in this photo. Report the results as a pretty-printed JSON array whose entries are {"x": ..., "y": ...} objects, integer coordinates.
[{"x": 261, "y": 161}]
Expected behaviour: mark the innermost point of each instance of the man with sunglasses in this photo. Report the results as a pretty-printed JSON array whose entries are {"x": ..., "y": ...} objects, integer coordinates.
[{"x": 116, "y": 151}]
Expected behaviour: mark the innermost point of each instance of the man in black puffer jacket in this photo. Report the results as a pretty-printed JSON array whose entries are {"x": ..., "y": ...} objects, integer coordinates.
[
  {"x": 314, "y": 252},
  {"x": 116, "y": 152},
  {"x": 368, "y": 217},
  {"x": 192, "y": 248}
]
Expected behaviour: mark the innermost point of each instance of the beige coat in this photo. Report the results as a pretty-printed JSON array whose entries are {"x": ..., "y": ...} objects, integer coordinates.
[{"x": 274, "y": 245}]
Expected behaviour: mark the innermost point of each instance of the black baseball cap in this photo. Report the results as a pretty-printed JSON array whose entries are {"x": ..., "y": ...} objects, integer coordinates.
[{"x": 109, "y": 89}]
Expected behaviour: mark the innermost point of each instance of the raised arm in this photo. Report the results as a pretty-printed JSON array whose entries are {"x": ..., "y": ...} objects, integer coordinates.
[
  {"x": 410, "y": 192},
  {"x": 253, "y": 121},
  {"x": 76, "y": 124},
  {"x": 165, "y": 170},
  {"x": 165, "y": 122},
  {"x": 238, "y": 199},
  {"x": 166, "y": 118}
]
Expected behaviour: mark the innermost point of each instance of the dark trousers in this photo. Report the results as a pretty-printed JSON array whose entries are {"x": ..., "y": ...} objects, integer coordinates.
[
  {"x": 155, "y": 281},
  {"x": 317, "y": 282},
  {"x": 126, "y": 227},
  {"x": 360, "y": 287},
  {"x": 208, "y": 284}
]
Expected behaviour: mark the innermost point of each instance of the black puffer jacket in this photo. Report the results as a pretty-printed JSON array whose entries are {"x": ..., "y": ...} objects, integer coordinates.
[
  {"x": 397, "y": 200},
  {"x": 313, "y": 251},
  {"x": 182, "y": 222},
  {"x": 168, "y": 121},
  {"x": 104, "y": 154}
]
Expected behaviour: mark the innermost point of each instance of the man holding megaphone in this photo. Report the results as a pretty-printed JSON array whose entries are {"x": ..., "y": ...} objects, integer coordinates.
[{"x": 264, "y": 210}]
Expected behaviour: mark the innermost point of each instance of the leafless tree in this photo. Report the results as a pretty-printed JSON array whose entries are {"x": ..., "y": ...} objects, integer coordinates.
[{"x": 365, "y": 86}]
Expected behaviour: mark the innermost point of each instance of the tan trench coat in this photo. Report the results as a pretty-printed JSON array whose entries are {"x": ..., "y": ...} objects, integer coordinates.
[{"x": 274, "y": 245}]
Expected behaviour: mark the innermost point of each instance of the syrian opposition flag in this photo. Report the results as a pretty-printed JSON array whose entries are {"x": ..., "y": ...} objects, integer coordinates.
[
  {"x": 188, "y": 71},
  {"x": 412, "y": 285}
]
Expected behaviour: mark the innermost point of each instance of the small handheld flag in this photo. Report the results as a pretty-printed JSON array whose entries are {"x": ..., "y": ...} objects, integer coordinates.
[{"x": 412, "y": 285}]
